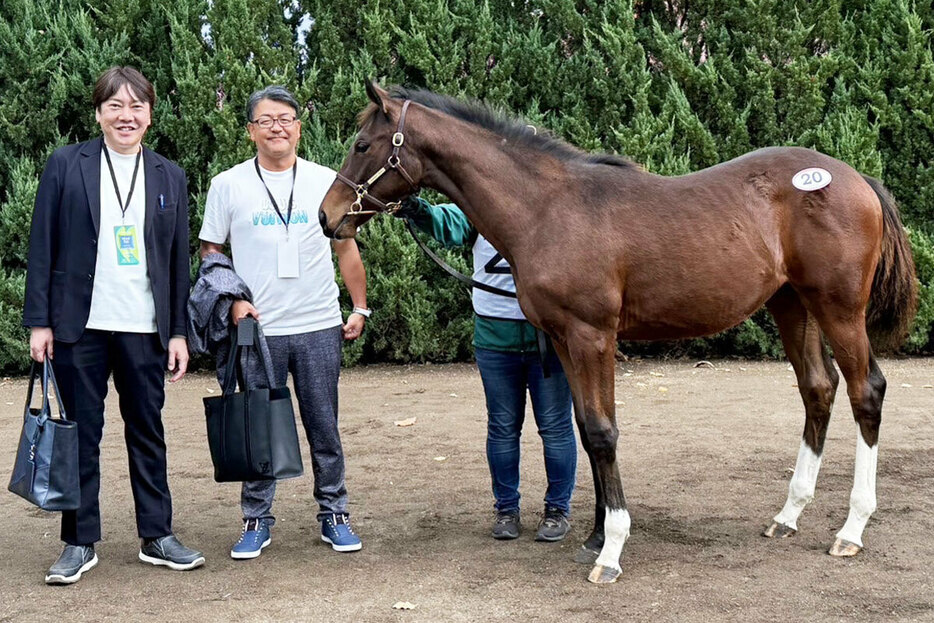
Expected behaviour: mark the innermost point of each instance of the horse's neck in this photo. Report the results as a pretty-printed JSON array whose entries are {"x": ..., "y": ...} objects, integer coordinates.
[{"x": 490, "y": 185}]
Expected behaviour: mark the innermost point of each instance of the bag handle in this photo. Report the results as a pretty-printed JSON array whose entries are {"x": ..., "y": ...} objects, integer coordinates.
[
  {"x": 48, "y": 375},
  {"x": 33, "y": 373},
  {"x": 248, "y": 331}
]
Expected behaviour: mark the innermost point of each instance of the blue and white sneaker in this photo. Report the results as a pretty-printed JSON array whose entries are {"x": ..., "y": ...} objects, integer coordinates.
[
  {"x": 336, "y": 530},
  {"x": 253, "y": 538}
]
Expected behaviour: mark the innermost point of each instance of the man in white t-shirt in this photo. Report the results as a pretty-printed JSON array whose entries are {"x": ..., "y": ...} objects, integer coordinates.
[{"x": 267, "y": 207}]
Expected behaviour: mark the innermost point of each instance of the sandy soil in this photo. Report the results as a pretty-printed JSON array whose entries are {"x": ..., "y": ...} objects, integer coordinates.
[{"x": 705, "y": 453}]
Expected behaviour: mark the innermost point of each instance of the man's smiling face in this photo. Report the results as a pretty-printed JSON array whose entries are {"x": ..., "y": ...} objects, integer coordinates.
[
  {"x": 124, "y": 119},
  {"x": 275, "y": 142}
]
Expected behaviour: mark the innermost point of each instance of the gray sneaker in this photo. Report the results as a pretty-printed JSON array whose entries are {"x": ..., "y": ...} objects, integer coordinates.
[
  {"x": 554, "y": 525},
  {"x": 73, "y": 561},
  {"x": 168, "y": 551},
  {"x": 506, "y": 526}
]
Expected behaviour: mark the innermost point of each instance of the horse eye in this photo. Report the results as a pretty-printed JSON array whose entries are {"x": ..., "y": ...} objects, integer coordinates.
[{"x": 361, "y": 147}]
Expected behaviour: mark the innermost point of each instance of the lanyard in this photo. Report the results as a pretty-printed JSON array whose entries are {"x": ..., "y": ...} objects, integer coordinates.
[
  {"x": 113, "y": 176},
  {"x": 288, "y": 217}
]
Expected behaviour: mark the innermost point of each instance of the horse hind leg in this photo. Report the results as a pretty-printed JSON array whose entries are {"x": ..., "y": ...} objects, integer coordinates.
[
  {"x": 817, "y": 384},
  {"x": 868, "y": 413},
  {"x": 865, "y": 386}
]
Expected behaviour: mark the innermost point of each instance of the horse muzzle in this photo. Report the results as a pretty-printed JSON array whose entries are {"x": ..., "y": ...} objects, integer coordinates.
[
  {"x": 347, "y": 226},
  {"x": 336, "y": 232}
]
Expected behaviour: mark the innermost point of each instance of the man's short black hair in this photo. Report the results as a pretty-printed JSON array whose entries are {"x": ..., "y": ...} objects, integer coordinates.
[
  {"x": 115, "y": 78},
  {"x": 275, "y": 93}
]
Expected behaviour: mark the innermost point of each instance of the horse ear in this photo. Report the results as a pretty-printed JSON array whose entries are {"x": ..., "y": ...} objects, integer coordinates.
[{"x": 377, "y": 95}]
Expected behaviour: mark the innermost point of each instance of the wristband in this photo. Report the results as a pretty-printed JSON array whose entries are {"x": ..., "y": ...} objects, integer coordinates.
[{"x": 366, "y": 313}]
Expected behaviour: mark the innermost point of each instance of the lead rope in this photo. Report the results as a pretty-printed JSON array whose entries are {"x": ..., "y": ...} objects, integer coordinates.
[{"x": 542, "y": 341}]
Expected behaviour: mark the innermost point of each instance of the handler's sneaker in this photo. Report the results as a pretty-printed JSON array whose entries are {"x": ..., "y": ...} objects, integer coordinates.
[
  {"x": 168, "y": 551},
  {"x": 554, "y": 525},
  {"x": 73, "y": 561},
  {"x": 253, "y": 538},
  {"x": 336, "y": 530},
  {"x": 506, "y": 526}
]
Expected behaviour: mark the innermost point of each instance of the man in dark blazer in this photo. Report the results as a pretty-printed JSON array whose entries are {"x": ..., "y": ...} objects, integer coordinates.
[{"x": 106, "y": 292}]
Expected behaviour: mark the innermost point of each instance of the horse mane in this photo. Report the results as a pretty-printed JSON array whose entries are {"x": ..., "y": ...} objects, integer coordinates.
[{"x": 514, "y": 130}]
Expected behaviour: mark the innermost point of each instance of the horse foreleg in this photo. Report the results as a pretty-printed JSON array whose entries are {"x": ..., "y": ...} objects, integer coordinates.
[
  {"x": 592, "y": 367},
  {"x": 590, "y": 549},
  {"x": 617, "y": 522}
]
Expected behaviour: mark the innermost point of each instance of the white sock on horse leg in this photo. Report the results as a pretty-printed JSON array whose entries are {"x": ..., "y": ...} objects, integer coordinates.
[
  {"x": 801, "y": 487},
  {"x": 863, "y": 495},
  {"x": 616, "y": 528}
]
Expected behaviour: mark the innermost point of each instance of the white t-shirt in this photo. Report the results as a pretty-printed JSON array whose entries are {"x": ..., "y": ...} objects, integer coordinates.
[
  {"x": 239, "y": 208},
  {"x": 121, "y": 299}
]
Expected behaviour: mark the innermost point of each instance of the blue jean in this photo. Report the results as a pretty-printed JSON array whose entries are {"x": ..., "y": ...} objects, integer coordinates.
[{"x": 506, "y": 377}]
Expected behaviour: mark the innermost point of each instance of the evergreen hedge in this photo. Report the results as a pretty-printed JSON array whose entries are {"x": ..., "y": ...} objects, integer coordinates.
[{"x": 675, "y": 86}]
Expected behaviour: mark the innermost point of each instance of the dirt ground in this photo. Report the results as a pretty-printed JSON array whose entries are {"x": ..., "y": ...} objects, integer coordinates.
[{"x": 705, "y": 452}]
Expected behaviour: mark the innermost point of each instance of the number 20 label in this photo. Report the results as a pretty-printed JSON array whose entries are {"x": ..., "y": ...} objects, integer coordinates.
[{"x": 814, "y": 178}]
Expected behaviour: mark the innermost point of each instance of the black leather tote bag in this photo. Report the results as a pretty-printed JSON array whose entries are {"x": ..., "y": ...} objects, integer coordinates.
[
  {"x": 251, "y": 433},
  {"x": 46, "y": 467}
]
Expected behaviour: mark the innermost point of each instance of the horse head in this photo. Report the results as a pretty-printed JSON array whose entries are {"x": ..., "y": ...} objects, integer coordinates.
[{"x": 381, "y": 169}]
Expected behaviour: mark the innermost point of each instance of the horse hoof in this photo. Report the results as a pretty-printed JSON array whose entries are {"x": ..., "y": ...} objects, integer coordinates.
[
  {"x": 778, "y": 530},
  {"x": 842, "y": 548},
  {"x": 603, "y": 575},
  {"x": 586, "y": 556}
]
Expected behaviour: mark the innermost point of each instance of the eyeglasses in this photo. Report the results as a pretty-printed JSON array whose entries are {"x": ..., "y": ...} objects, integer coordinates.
[{"x": 284, "y": 121}]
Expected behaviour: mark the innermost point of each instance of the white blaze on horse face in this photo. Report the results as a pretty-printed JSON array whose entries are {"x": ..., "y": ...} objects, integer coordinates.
[
  {"x": 616, "y": 528},
  {"x": 863, "y": 495},
  {"x": 801, "y": 488}
]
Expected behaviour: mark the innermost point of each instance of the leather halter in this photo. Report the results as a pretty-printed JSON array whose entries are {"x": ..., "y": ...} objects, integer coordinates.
[{"x": 393, "y": 162}]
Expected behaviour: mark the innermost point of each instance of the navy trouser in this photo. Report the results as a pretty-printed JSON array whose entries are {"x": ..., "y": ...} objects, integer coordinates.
[
  {"x": 506, "y": 377},
  {"x": 314, "y": 360},
  {"x": 137, "y": 361}
]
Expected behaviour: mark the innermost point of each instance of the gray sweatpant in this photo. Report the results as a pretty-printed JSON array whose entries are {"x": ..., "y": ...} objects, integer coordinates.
[{"x": 314, "y": 359}]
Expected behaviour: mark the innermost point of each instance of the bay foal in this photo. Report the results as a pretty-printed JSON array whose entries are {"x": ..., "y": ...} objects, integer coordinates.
[{"x": 601, "y": 250}]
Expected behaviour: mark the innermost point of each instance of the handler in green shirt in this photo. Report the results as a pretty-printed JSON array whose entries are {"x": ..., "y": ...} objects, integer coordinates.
[{"x": 506, "y": 348}]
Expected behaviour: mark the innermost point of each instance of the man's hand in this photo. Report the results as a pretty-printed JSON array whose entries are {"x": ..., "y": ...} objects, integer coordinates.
[
  {"x": 354, "y": 327},
  {"x": 242, "y": 309},
  {"x": 178, "y": 358},
  {"x": 41, "y": 341}
]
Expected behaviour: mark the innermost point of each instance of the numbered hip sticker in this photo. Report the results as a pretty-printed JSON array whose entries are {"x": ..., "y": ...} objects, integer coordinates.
[{"x": 814, "y": 178}]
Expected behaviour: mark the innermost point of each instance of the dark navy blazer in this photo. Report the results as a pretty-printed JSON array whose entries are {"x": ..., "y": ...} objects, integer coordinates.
[{"x": 65, "y": 232}]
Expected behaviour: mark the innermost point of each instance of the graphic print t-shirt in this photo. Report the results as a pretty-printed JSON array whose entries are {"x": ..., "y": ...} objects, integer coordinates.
[{"x": 238, "y": 208}]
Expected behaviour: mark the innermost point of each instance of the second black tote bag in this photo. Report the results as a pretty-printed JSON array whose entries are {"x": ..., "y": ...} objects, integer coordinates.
[
  {"x": 251, "y": 433},
  {"x": 46, "y": 467}
]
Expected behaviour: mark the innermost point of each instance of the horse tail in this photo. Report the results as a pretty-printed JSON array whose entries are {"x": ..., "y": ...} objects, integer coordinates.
[{"x": 893, "y": 301}]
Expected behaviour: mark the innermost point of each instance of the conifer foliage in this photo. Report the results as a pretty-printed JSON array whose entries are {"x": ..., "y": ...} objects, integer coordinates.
[{"x": 674, "y": 85}]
